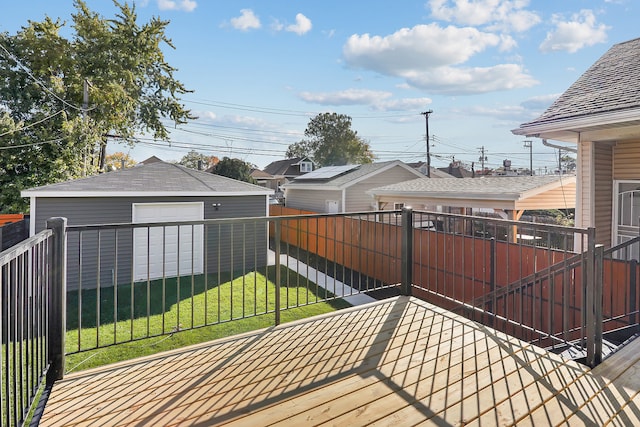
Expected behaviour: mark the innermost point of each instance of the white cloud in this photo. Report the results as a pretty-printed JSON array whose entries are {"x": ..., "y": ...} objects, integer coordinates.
[
  {"x": 246, "y": 21},
  {"x": 571, "y": 35},
  {"x": 302, "y": 26},
  {"x": 185, "y": 5},
  {"x": 376, "y": 100},
  {"x": 505, "y": 15},
  {"x": 429, "y": 57},
  {"x": 471, "y": 80}
]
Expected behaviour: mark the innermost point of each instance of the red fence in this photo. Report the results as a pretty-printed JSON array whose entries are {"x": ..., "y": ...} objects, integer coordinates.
[{"x": 525, "y": 287}]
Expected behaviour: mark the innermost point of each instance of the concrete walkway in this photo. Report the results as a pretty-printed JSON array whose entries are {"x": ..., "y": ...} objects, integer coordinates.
[{"x": 351, "y": 295}]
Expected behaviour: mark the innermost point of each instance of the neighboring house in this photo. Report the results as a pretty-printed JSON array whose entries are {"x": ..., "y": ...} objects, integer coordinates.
[
  {"x": 511, "y": 195},
  {"x": 422, "y": 168},
  {"x": 456, "y": 170},
  {"x": 600, "y": 113},
  {"x": 155, "y": 192},
  {"x": 262, "y": 178},
  {"x": 283, "y": 171},
  {"x": 333, "y": 189}
]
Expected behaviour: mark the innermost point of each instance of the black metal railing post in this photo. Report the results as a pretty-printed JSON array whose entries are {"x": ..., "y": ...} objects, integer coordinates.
[
  {"x": 407, "y": 251},
  {"x": 597, "y": 303},
  {"x": 278, "y": 231},
  {"x": 57, "y": 304},
  {"x": 588, "y": 303}
]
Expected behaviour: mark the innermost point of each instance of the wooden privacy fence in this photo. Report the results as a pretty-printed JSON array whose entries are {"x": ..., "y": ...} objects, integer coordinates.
[{"x": 527, "y": 290}]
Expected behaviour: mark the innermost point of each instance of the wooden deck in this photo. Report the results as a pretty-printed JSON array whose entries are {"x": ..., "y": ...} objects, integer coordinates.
[{"x": 394, "y": 362}]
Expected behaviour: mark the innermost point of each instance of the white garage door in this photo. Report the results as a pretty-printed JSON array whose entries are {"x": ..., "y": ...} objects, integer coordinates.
[{"x": 167, "y": 251}]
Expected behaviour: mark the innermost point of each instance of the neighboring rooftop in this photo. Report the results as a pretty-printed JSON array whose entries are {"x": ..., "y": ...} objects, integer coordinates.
[
  {"x": 152, "y": 178},
  {"x": 486, "y": 188},
  {"x": 286, "y": 167},
  {"x": 607, "y": 95}
]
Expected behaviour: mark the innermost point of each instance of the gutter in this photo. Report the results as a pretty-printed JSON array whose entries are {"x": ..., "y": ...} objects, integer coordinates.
[{"x": 559, "y": 147}]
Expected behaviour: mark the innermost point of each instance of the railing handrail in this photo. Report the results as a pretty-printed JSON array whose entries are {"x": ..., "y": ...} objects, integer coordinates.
[{"x": 22, "y": 247}]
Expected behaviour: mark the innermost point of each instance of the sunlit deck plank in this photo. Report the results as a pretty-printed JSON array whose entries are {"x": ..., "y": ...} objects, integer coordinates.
[{"x": 395, "y": 362}]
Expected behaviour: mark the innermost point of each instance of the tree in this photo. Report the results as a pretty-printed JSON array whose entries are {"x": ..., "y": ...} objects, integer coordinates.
[
  {"x": 47, "y": 132},
  {"x": 115, "y": 161},
  {"x": 331, "y": 141},
  {"x": 234, "y": 168},
  {"x": 568, "y": 163},
  {"x": 192, "y": 160}
]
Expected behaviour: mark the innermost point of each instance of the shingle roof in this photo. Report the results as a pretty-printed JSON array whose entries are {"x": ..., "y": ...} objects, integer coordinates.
[
  {"x": 351, "y": 176},
  {"x": 159, "y": 177},
  {"x": 284, "y": 167},
  {"x": 503, "y": 188},
  {"x": 611, "y": 84}
]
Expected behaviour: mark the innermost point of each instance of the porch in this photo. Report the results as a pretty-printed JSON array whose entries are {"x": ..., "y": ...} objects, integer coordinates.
[
  {"x": 399, "y": 361},
  {"x": 493, "y": 315}
]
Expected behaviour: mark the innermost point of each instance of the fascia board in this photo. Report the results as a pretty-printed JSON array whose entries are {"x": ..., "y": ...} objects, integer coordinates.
[{"x": 62, "y": 194}]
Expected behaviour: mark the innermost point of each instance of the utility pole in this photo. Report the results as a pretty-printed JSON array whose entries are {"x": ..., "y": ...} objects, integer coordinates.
[
  {"x": 529, "y": 144},
  {"x": 426, "y": 118},
  {"x": 483, "y": 157},
  {"x": 85, "y": 106}
]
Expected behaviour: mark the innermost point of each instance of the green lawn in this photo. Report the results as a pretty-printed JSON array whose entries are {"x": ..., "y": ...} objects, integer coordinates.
[{"x": 200, "y": 308}]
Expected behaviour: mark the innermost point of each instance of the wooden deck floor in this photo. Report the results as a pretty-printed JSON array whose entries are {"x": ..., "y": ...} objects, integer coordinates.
[{"x": 394, "y": 362}]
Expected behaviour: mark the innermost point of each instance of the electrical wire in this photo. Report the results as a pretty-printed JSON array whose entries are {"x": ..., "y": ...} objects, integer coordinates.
[
  {"x": 51, "y": 141},
  {"x": 40, "y": 83},
  {"x": 31, "y": 124}
]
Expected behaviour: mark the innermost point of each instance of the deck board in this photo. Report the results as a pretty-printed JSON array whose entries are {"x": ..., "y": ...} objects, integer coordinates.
[{"x": 395, "y": 362}]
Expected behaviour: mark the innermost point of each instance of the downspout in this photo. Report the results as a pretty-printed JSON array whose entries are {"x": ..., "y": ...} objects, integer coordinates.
[{"x": 344, "y": 200}]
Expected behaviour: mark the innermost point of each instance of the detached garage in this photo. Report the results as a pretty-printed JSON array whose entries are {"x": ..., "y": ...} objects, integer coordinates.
[{"x": 153, "y": 193}]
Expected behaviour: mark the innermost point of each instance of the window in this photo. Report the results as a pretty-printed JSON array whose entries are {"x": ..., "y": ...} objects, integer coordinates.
[
  {"x": 398, "y": 206},
  {"x": 306, "y": 167}
]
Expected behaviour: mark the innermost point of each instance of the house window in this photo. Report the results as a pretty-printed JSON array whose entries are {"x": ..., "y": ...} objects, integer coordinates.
[
  {"x": 398, "y": 207},
  {"x": 306, "y": 167}
]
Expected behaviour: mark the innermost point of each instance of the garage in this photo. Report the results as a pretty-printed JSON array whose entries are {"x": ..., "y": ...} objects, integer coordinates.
[
  {"x": 158, "y": 192},
  {"x": 167, "y": 251}
]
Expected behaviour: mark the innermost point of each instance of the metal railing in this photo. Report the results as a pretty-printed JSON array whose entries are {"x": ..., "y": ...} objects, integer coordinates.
[
  {"x": 116, "y": 283},
  {"x": 127, "y": 282},
  {"x": 29, "y": 289}
]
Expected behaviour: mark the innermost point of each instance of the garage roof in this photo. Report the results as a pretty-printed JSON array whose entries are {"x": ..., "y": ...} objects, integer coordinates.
[
  {"x": 546, "y": 192},
  {"x": 155, "y": 179}
]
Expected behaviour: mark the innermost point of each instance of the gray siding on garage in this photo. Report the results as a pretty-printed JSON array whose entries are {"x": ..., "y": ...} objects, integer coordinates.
[{"x": 228, "y": 247}]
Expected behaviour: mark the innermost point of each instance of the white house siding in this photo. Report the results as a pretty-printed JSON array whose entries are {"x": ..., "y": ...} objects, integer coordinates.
[
  {"x": 603, "y": 192},
  {"x": 626, "y": 160},
  {"x": 110, "y": 210},
  {"x": 356, "y": 198},
  {"x": 584, "y": 186},
  {"x": 312, "y": 200}
]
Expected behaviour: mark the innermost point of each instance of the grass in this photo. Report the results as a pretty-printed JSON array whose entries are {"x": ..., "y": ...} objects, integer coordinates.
[{"x": 177, "y": 312}]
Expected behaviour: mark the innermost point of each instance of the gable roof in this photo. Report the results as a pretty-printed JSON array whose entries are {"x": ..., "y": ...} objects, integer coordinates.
[
  {"x": 607, "y": 94},
  {"x": 473, "y": 192},
  {"x": 285, "y": 167},
  {"x": 350, "y": 176},
  {"x": 154, "y": 179}
]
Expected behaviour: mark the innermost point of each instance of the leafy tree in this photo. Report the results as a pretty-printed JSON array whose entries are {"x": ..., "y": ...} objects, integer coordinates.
[
  {"x": 234, "y": 168},
  {"x": 47, "y": 132},
  {"x": 191, "y": 159},
  {"x": 114, "y": 161},
  {"x": 331, "y": 142},
  {"x": 568, "y": 163}
]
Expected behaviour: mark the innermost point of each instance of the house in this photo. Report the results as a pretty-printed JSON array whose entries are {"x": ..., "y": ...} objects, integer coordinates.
[
  {"x": 422, "y": 168},
  {"x": 283, "y": 171},
  {"x": 457, "y": 170},
  {"x": 333, "y": 189},
  {"x": 510, "y": 195},
  {"x": 600, "y": 113},
  {"x": 154, "y": 192}
]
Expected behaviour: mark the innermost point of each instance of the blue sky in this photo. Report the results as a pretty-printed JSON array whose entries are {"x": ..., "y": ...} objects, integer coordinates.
[{"x": 261, "y": 69}]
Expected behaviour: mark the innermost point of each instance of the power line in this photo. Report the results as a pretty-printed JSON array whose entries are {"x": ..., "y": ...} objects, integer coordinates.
[
  {"x": 39, "y": 82},
  {"x": 31, "y": 124}
]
